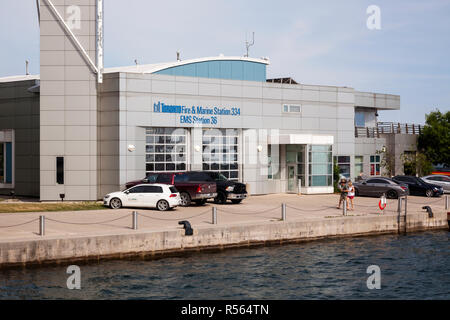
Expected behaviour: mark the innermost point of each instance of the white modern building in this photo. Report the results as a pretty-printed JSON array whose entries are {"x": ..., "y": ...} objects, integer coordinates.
[{"x": 82, "y": 131}]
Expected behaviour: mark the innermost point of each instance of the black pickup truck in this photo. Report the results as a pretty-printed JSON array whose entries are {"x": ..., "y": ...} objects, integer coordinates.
[{"x": 227, "y": 189}]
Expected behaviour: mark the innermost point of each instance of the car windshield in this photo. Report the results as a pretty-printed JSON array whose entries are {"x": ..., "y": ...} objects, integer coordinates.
[
  {"x": 152, "y": 178},
  {"x": 420, "y": 181},
  {"x": 220, "y": 177}
]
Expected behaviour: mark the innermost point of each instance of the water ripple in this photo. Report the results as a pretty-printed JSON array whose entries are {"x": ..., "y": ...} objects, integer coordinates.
[{"x": 415, "y": 266}]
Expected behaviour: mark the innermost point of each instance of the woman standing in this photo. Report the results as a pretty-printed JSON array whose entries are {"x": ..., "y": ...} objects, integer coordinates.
[{"x": 351, "y": 193}]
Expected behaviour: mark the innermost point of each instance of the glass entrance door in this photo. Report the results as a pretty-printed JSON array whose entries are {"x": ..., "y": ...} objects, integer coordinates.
[{"x": 292, "y": 178}]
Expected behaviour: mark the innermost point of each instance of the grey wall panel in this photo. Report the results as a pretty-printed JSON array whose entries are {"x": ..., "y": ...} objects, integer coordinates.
[
  {"x": 70, "y": 75},
  {"x": 19, "y": 111}
]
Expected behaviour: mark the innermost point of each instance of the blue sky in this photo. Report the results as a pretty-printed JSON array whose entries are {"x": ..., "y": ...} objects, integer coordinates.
[{"x": 314, "y": 42}]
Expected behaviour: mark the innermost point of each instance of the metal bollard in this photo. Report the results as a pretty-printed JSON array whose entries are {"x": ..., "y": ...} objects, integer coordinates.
[
  {"x": 399, "y": 206},
  {"x": 134, "y": 223},
  {"x": 42, "y": 225},
  {"x": 214, "y": 215},
  {"x": 446, "y": 203},
  {"x": 344, "y": 209},
  {"x": 283, "y": 211},
  {"x": 406, "y": 206}
]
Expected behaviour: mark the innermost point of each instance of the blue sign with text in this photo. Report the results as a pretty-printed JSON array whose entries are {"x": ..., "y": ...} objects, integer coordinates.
[{"x": 196, "y": 114}]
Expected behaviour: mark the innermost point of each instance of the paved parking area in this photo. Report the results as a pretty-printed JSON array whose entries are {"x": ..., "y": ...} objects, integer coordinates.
[{"x": 25, "y": 226}]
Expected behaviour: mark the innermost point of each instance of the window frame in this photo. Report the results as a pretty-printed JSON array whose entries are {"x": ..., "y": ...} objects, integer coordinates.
[
  {"x": 347, "y": 164},
  {"x": 374, "y": 163},
  {"x": 328, "y": 150},
  {"x": 166, "y": 147},
  {"x": 221, "y": 152}
]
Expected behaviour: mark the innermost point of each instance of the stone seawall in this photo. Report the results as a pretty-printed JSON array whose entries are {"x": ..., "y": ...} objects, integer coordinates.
[{"x": 94, "y": 247}]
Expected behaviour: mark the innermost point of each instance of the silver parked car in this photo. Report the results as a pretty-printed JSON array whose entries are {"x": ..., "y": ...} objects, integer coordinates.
[
  {"x": 376, "y": 187},
  {"x": 439, "y": 180}
]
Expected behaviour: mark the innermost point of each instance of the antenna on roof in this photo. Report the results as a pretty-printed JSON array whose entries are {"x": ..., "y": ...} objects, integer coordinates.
[
  {"x": 38, "y": 11},
  {"x": 249, "y": 44},
  {"x": 26, "y": 67}
]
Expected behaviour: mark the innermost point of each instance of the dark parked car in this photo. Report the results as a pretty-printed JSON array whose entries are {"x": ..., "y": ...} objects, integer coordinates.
[
  {"x": 419, "y": 187},
  {"x": 227, "y": 189},
  {"x": 192, "y": 185},
  {"x": 376, "y": 187}
]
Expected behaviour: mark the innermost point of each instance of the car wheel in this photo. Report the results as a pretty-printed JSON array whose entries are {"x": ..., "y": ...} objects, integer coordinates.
[
  {"x": 162, "y": 205},
  {"x": 391, "y": 194},
  {"x": 429, "y": 193},
  {"x": 115, "y": 203},
  {"x": 221, "y": 198},
  {"x": 185, "y": 199},
  {"x": 236, "y": 201}
]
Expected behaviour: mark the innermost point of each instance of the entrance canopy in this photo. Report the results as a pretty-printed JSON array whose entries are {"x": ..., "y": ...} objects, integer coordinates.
[{"x": 301, "y": 139}]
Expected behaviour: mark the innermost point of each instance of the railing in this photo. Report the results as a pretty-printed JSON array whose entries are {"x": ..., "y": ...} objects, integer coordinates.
[
  {"x": 366, "y": 132},
  {"x": 387, "y": 128},
  {"x": 393, "y": 127}
]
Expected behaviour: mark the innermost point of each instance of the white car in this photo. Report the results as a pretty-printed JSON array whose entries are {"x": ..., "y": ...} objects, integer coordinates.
[
  {"x": 160, "y": 196},
  {"x": 439, "y": 180}
]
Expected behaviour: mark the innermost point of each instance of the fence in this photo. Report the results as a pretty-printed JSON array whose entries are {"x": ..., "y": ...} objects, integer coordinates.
[{"x": 387, "y": 128}]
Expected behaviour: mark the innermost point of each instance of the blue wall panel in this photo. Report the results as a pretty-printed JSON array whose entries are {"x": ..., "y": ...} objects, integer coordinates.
[
  {"x": 214, "y": 69},
  {"x": 202, "y": 70},
  {"x": 237, "y": 70},
  {"x": 220, "y": 69}
]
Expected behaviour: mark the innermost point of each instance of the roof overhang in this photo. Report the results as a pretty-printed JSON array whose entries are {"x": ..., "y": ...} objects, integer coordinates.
[
  {"x": 301, "y": 139},
  {"x": 152, "y": 68}
]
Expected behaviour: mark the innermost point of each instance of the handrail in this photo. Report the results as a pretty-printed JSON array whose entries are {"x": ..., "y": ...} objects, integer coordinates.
[{"x": 387, "y": 128}]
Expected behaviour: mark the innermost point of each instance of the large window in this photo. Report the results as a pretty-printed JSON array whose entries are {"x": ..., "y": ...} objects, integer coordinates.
[
  {"x": 220, "y": 152},
  {"x": 360, "y": 120},
  {"x": 2, "y": 163},
  {"x": 295, "y": 155},
  {"x": 359, "y": 165},
  {"x": 343, "y": 163},
  {"x": 6, "y": 162},
  {"x": 273, "y": 162},
  {"x": 375, "y": 165},
  {"x": 320, "y": 165},
  {"x": 166, "y": 149}
]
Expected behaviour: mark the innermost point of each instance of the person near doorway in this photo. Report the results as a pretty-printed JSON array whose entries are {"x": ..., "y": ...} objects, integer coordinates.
[{"x": 343, "y": 188}]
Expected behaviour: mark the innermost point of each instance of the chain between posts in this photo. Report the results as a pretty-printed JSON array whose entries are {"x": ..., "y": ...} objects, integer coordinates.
[
  {"x": 42, "y": 219},
  {"x": 19, "y": 224}
]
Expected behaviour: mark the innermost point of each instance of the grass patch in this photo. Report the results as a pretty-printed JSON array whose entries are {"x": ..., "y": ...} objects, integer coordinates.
[{"x": 43, "y": 207}]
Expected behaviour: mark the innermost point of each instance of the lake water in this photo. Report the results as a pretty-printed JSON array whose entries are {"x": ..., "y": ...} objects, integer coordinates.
[{"x": 415, "y": 266}]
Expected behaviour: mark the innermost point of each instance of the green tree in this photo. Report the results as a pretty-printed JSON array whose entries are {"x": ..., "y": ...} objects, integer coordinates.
[
  {"x": 434, "y": 140},
  {"x": 423, "y": 165},
  {"x": 416, "y": 163},
  {"x": 387, "y": 161}
]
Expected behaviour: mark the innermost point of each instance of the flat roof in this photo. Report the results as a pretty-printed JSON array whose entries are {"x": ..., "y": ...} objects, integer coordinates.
[{"x": 19, "y": 78}]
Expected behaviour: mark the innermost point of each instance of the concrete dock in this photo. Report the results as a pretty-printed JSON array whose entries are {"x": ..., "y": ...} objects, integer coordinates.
[{"x": 93, "y": 235}]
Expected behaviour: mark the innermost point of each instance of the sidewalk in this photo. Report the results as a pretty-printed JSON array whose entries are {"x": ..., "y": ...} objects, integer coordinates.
[{"x": 256, "y": 209}]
